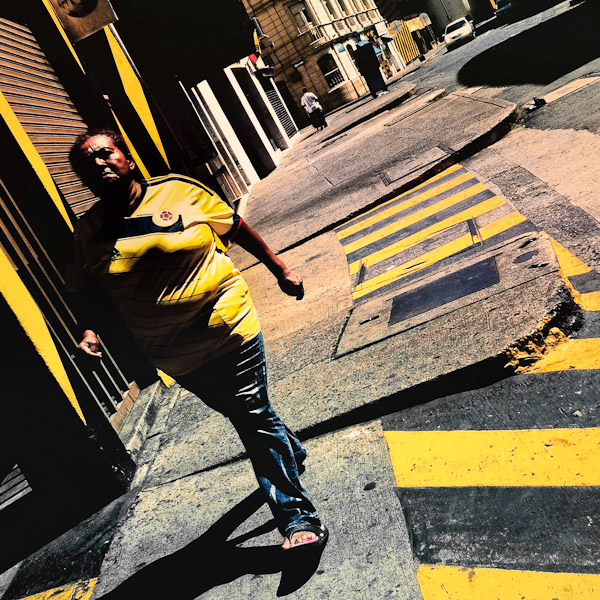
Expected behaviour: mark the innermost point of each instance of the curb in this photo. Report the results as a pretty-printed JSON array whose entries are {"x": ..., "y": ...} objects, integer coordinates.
[
  {"x": 142, "y": 417},
  {"x": 566, "y": 315},
  {"x": 390, "y": 105},
  {"x": 483, "y": 141}
]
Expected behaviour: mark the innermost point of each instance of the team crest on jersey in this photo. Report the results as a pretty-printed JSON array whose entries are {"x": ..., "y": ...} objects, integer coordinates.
[{"x": 164, "y": 217}]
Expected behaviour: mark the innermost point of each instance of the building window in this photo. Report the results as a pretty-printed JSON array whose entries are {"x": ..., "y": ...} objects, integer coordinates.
[
  {"x": 331, "y": 9},
  {"x": 330, "y": 70},
  {"x": 301, "y": 17}
]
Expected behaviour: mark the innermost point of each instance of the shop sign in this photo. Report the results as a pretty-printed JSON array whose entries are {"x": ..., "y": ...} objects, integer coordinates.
[{"x": 81, "y": 18}]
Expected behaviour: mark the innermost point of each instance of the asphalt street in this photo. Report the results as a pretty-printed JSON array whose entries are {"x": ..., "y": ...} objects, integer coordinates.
[{"x": 443, "y": 367}]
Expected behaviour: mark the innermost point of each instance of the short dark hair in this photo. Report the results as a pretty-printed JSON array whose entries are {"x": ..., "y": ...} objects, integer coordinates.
[
  {"x": 304, "y": 90},
  {"x": 75, "y": 155}
]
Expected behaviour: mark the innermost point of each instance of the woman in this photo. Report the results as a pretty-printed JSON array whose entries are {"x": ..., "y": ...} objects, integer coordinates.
[
  {"x": 158, "y": 248},
  {"x": 314, "y": 109}
]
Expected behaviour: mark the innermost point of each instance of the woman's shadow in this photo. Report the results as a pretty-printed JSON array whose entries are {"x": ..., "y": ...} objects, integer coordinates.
[{"x": 213, "y": 560}]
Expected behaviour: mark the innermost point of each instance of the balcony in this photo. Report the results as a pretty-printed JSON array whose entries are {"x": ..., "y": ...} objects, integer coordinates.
[
  {"x": 313, "y": 36},
  {"x": 363, "y": 19},
  {"x": 374, "y": 16},
  {"x": 352, "y": 23},
  {"x": 340, "y": 27}
]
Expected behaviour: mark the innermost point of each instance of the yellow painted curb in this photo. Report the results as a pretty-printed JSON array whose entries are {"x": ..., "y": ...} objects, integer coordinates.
[
  {"x": 439, "y": 582},
  {"x": 77, "y": 590}
]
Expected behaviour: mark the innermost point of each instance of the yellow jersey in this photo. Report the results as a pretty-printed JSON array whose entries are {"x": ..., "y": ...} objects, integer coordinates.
[{"x": 165, "y": 266}]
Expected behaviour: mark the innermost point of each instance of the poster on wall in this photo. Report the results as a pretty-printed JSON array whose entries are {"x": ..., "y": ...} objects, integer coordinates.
[{"x": 81, "y": 18}]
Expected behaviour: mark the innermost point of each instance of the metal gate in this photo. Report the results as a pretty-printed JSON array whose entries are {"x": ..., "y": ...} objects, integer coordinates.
[{"x": 280, "y": 110}]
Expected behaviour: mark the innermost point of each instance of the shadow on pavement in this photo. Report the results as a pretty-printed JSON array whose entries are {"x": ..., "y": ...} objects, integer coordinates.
[
  {"x": 213, "y": 560},
  {"x": 541, "y": 54}
]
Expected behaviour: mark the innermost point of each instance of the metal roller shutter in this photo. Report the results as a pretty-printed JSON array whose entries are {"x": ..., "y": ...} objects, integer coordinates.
[
  {"x": 280, "y": 110},
  {"x": 51, "y": 121},
  {"x": 43, "y": 107}
]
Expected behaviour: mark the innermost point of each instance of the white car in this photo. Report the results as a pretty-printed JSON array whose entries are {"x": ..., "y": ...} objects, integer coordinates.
[{"x": 457, "y": 32}]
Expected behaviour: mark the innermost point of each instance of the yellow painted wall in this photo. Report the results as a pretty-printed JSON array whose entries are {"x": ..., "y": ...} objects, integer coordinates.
[{"x": 32, "y": 320}]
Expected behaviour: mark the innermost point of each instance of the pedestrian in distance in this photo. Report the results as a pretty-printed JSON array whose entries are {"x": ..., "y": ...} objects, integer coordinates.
[
  {"x": 158, "y": 247},
  {"x": 314, "y": 109}
]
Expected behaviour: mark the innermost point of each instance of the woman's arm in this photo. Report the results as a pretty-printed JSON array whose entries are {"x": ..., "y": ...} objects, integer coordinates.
[{"x": 289, "y": 282}]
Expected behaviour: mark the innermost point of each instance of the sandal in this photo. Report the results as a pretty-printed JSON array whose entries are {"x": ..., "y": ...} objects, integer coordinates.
[{"x": 320, "y": 531}]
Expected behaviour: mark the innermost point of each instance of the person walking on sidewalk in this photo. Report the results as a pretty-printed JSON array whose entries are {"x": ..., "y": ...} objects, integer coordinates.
[
  {"x": 314, "y": 109},
  {"x": 158, "y": 247}
]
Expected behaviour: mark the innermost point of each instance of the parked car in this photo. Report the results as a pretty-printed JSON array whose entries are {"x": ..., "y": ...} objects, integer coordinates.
[{"x": 458, "y": 32}]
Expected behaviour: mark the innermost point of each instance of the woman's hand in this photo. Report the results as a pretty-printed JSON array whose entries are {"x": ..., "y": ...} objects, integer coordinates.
[
  {"x": 90, "y": 343},
  {"x": 291, "y": 284}
]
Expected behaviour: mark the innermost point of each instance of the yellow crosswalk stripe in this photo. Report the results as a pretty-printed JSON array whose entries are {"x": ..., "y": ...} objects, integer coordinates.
[
  {"x": 579, "y": 354},
  {"x": 429, "y": 258},
  {"x": 425, "y": 234},
  {"x": 500, "y": 225},
  {"x": 433, "y": 179},
  {"x": 398, "y": 208},
  {"x": 529, "y": 457},
  {"x": 440, "y": 582},
  {"x": 414, "y": 218}
]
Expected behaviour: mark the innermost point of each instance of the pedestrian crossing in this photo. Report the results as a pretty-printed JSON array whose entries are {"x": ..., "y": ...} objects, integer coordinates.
[
  {"x": 498, "y": 507},
  {"x": 446, "y": 216}
]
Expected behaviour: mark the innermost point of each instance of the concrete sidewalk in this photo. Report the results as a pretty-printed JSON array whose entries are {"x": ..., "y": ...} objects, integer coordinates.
[
  {"x": 192, "y": 525},
  {"x": 325, "y": 179}
]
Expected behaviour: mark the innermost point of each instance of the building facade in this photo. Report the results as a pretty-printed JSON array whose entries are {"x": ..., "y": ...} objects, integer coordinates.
[{"x": 310, "y": 43}]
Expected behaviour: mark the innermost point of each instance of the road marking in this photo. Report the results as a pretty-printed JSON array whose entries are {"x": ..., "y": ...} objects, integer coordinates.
[
  {"x": 440, "y": 582},
  {"x": 570, "y": 265},
  {"x": 77, "y": 590},
  {"x": 528, "y": 457},
  {"x": 578, "y": 354},
  {"x": 414, "y": 218},
  {"x": 402, "y": 206},
  {"x": 569, "y": 88},
  {"x": 430, "y": 258},
  {"x": 433, "y": 179},
  {"x": 590, "y": 301},
  {"x": 428, "y": 233}
]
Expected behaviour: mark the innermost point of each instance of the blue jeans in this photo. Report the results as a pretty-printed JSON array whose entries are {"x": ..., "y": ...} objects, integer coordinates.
[{"x": 236, "y": 386}]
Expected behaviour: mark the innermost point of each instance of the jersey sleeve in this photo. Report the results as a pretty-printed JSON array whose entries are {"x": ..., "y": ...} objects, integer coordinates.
[{"x": 216, "y": 212}]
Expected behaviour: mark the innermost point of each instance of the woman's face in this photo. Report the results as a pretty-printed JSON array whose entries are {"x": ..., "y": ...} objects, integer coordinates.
[{"x": 105, "y": 168}]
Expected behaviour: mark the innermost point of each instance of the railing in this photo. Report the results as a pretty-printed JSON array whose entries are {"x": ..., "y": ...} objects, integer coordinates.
[
  {"x": 374, "y": 16},
  {"x": 363, "y": 17},
  {"x": 314, "y": 35},
  {"x": 333, "y": 77},
  {"x": 340, "y": 26},
  {"x": 351, "y": 22}
]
